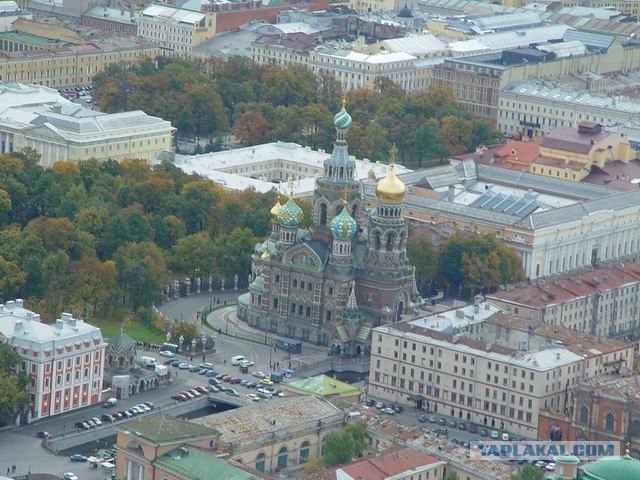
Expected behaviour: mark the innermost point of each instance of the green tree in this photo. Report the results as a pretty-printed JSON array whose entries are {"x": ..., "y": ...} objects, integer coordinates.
[
  {"x": 527, "y": 472},
  {"x": 337, "y": 448},
  {"x": 423, "y": 255},
  {"x": 358, "y": 431},
  {"x": 187, "y": 330},
  {"x": 451, "y": 475},
  {"x": 11, "y": 278},
  {"x": 233, "y": 253},
  {"x": 142, "y": 273},
  {"x": 193, "y": 252}
]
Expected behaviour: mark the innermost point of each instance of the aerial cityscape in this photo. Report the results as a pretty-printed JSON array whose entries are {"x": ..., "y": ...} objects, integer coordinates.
[{"x": 319, "y": 240}]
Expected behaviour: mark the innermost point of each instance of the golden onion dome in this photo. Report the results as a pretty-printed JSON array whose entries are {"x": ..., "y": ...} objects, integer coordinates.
[
  {"x": 390, "y": 187},
  {"x": 276, "y": 208}
]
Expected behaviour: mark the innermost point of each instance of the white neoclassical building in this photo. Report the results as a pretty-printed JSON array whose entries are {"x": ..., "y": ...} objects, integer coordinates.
[
  {"x": 58, "y": 129},
  {"x": 554, "y": 225}
]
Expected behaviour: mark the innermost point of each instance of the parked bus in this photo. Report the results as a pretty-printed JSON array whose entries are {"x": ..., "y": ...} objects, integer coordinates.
[{"x": 169, "y": 347}]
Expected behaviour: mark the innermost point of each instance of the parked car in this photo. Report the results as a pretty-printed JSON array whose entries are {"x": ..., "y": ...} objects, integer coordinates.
[
  {"x": 244, "y": 382},
  {"x": 85, "y": 425},
  {"x": 495, "y": 435},
  {"x": 442, "y": 421},
  {"x": 540, "y": 464},
  {"x": 211, "y": 373},
  {"x": 184, "y": 366},
  {"x": 214, "y": 382},
  {"x": 117, "y": 415},
  {"x": 69, "y": 476},
  {"x": 194, "y": 368},
  {"x": 505, "y": 437},
  {"x": 422, "y": 418},
  {"x": 473, "y": 428},
  {"x": 232, "y": 392},
  {"x": 201, "y": 389},
  {"x": 252, "y": 385},
  {"x": 388, "y": 411},
  {"x": 370, "y": 403},
  {"x": 179, "y": 397},
  {"x": 226, "y": 378},
  {"x": 106, "y": 418},
  {"x": 76, "y": 457},
  {"x": 462, "y": 426},
  {"x": 483, "y": 433},
  {"x": 166, "y": 353},
  {"x": 91, "y": 423},
  {"x": 206, "y": 366},
  {"x": 235, "y": 381},
  {"x": 550, "y": 467},
  {"x": 189, "y": 395},
  {"x": 220, "y": 375},
  {"x": 96, "y": 421},
  {"x": 213, "y": 389},
  {"x": 452, "y": 423},
  {"x": 44, "y": 434},
  {"x": 258, "y": 374},
  {"x": 194, "y": 392},
  {"x": 433, "y": 419},
  {"x": 398, "y": 408},
  {"x": 174, "y": 363}
]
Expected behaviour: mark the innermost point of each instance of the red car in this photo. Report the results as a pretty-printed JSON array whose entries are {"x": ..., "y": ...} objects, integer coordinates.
[
  {"x": 201, "y": 389},
  {"x": 235, "y": 381},
  {"x": 187, "y": 394},
  {"x": 220, "y": 375},
  {"x": 179, "y": 397},
  {"x": 226, "y": 378}
]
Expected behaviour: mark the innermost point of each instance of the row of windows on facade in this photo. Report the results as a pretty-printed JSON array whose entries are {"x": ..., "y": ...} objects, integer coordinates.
[
  {"x": 609, "y": 421},
  {"x": 558, "y": 112},
  {"x": 76, "y": 378},
  {"x": 496, "y": 366},
  {"x": 458, "y": 398},
  {"x": 78, "y": 360}
]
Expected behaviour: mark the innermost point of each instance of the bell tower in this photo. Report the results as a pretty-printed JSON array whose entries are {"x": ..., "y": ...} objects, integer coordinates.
[{"x": 337, "y": 177}]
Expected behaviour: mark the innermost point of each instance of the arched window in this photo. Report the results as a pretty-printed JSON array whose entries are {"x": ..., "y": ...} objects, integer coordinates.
[
  {"x": 330, "y": 171},
  {"x": 338, "y": 209},
  {"x": 323, "y": 214},
  {"x": 391, "y": 238},
  {"x": 610, "y": 422},
  {"x": 378, "y": 241},
  {"x": 403, "y": 240},
  {"x": 282, "y": 458},
  {"x": 259, "y": 299},
  {"x": 304, "y": 451},
  {"x": 341, "y": 173},
  {"x": 354, "y": 211},
  {"x": 584, "y": 415},
  {"x": 635, "y": 428},
  {"x": 260, "y": 461}
]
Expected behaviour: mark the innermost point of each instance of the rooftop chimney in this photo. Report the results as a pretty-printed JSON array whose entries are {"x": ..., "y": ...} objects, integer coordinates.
[
  {"x": 59, "y": 324},
  {"x": 18, "y": 326},
  {"x": 451, "y": 193},
  {"x": 19, "y": 302}
]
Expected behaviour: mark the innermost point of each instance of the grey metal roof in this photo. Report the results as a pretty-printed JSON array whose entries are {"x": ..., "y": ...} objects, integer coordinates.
[
  {"x": 441, "y": 176},
  {"x": 618, "y": 202},
  {"x": 540, "y": 183},
  {"x": 502, "y": 202},
  {"x": 590, "y": 39}
]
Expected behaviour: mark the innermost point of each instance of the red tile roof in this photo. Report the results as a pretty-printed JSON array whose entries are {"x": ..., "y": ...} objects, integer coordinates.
[{"x": 388, "y": 464}]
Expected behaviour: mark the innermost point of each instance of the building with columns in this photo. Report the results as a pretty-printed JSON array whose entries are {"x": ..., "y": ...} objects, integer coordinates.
[
  {"x": 555, "y": 225},
  {"x": 58, "y": 129},
  {"x": 333, "y": 283},
  {"x": 65, "y": 361}
]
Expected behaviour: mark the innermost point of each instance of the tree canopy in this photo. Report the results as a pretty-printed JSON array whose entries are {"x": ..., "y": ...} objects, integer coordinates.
[
  {"x": 266, "y": 103},
  {"x": 104, "y": 239}
]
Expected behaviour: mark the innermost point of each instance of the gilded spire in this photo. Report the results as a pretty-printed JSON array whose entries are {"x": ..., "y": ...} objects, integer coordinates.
[
  {"x": 393, "y": 154},
  {"x": 391, "y": 187},
  {"x": 344, "y": 102},
  {"x": 276, "y": 208}
]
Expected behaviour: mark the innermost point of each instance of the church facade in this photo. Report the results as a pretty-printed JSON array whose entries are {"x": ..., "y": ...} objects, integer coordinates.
[{"x": 331, "y": 284}]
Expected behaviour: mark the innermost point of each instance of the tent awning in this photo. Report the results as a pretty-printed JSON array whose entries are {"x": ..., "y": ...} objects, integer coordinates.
[{"x": 417, "y": 397}]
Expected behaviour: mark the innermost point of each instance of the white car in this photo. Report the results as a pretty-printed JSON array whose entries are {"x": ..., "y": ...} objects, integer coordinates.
[
  {"x": 505, "y": 437},
  {"x": 259, "y": 375},
  {"x": 253, "y": 397},
  {"x": 247, "y": 363},
  {"x": 96, "y": 421},
  {"x": 195, "y": 392},
  {"x": 550, "y": 467},
  {"x": 184, "y": 366},
  {"x": 495, "y": 435},
  {"x": 70, "y": 476},
  {"x": 167, "y": 353}
]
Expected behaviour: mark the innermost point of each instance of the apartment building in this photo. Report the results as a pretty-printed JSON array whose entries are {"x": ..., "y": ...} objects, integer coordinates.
[
  {"x": 602, "y": 301},
  {"x": 471, "y": 380},
  {"x": 535, "y": 107},
  {"x": 64, "y": 361},
  {"x": 39, "y": 117},
  {"x": 176, "y": 31},
  {"x": 74, "y": 64}
]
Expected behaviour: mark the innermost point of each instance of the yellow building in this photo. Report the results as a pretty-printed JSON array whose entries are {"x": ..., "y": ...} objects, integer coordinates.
[
  {"x": 570, "y": 154},
  {"x": 71, "y": 65}
]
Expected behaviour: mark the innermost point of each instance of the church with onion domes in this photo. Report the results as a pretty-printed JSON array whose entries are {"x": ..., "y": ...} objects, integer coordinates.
[{"x": 331, "y": 284}]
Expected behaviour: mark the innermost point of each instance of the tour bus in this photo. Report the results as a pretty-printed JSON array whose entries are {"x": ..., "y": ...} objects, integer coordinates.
[
  {"x": 237, "y": 359},
  {"x": 169, "y": 347}
]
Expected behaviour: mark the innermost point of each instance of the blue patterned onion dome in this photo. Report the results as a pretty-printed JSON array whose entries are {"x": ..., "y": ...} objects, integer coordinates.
[
  {"x": 342, "y": 119},
  {"x": 343, "y": 225},
  {"x": 290, "y": 214}
]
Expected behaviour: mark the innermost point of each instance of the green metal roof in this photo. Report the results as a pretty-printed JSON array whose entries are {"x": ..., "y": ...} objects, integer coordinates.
[
  {"x": 29, "y": 38},
  {"x": 323, "y": 386},
  {"x": 613, "y": 468},
  {"x": 189, "y": 463},
  {"x": 162, "y": 428}
]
